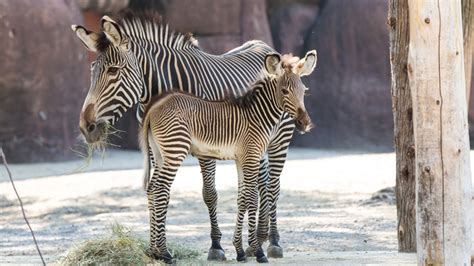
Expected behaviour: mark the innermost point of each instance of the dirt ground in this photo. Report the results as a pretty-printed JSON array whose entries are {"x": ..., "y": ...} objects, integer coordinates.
[{"x": 325, "y": 212}]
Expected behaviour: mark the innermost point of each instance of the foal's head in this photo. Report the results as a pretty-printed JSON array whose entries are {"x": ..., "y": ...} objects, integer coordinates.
[{"x": 291, "y": 90}]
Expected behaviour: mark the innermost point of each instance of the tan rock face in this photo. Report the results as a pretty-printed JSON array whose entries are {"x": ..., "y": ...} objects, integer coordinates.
[{"x": 43, "y": 80}]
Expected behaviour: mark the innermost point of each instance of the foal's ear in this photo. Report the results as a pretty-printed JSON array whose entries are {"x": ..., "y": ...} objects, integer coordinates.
[
  {"x": 88, "y": 38},
  {"x": 111, "y": 30},
  {"x": 273, "y": 63},
  {"x": 307, "y": 64}
]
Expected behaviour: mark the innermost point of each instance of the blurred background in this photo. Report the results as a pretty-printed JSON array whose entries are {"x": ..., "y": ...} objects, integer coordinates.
[{"x": 44, "y": 69}]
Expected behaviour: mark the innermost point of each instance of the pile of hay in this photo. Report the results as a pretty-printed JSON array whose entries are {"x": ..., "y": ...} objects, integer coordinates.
[{"x": 122, "y": 247}]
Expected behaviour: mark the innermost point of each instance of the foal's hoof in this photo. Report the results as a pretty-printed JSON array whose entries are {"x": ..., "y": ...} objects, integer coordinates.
[
  {"x": 274, "y": 251},
  {"x": 216, "y": 254},
  {"x": 241, "y": 256},
  {"x": 249, "y": 252}
]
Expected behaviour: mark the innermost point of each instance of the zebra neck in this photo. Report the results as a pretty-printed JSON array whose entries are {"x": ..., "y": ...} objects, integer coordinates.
[
  {"x": 161, "y": 72},
  {"x": 266, "y": 106}
]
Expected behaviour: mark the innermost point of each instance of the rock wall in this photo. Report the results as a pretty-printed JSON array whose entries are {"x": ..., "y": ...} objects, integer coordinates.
[
  {"x": 43, "y": 79},
  {"x": 44, "y": 68}
]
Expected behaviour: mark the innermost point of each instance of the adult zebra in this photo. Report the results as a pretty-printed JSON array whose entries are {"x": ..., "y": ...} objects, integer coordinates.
[{"x": 138, "y": 58}]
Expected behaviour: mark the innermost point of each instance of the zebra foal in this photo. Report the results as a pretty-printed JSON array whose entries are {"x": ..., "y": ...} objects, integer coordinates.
[{"x": 177, "y": 124}]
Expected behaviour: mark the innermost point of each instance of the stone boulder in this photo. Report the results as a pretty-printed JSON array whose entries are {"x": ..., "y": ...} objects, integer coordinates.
[
  {"x": 43, "y": 81},
  {"x": 349, "y": 99}
]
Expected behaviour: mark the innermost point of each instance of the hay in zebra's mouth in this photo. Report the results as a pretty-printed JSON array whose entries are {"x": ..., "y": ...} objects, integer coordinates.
[
  {"x": 99, "y": 146},
  {"x": 121, "y": 247}
]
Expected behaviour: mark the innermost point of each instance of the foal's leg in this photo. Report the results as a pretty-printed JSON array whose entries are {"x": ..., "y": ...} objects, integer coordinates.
[
  {"x": 241, "y": 209},
  {"x": 248, "y": 200},
  {"x": 158, "y": 198},
  {"x": 262, "y": 228},
  {"x": 209, "y": 194}
]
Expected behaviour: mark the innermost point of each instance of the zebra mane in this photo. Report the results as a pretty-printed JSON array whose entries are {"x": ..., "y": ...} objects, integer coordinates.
[
  {"x": 148, "y": 26},
  {"x": 246, "y": 99}
]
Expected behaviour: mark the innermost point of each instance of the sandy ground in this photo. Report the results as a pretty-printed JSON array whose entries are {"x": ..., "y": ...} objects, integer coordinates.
[{"x": 325, "y": 212}]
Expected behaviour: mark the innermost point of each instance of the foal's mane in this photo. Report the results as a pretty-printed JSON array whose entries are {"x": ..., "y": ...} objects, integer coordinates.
[{"x": 246, "y": 99}]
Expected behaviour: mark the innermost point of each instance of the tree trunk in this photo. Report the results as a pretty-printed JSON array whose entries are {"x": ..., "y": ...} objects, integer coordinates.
[
  {"x": 403, "y": 126},
  {"x": 443, "y": 182},
  {"x": 468, "y": 32}
]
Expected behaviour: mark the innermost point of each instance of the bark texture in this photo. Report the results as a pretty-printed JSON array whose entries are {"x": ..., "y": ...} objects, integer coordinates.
[
  {"x": 436, "y": 76},
  {"x": 403, "y": 126}
]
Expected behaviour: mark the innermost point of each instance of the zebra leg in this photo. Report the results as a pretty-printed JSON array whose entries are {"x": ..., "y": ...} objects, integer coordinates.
[
  {"x": 250, "y": 195},
  {"x": 262, "y": 228},
  {"x": 277, "y": 156},
  {"x": 209, "y": 194},
  {"x": 237, "y": 241},
  {"x": 248, "y": 200},
  {"x": 158, "y": 193}
]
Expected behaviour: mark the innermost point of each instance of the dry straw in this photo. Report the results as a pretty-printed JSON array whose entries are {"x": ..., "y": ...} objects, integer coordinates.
[{"x": 121, "y": 247}]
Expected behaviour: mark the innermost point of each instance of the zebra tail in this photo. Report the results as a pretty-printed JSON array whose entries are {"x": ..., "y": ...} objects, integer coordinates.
[{"x": 145, "y": 147}]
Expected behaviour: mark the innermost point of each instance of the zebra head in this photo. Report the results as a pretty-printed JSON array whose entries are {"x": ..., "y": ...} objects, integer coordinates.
[
  {"x": 116, "y": 79},
  {"x": 290, "y": 92}
]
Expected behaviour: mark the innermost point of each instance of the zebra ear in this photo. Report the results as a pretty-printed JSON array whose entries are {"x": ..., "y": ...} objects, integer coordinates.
[
  {"x": 272, "y": 63},
  {"x": 88, "y": 38},
  {"x": 111, "y": 30},
  {"x": 307, "y": 64}
]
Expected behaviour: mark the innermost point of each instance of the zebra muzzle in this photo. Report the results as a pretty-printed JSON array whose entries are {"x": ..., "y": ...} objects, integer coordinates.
[
  {"x": 303, "y": 123},
  {"x": 93, "y": 132}
]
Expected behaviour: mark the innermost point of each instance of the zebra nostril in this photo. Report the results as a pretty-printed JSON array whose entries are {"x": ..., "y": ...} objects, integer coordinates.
[{"x": 91, "y": 127}]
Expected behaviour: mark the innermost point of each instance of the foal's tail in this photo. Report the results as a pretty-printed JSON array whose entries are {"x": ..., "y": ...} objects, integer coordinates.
[{"x": 146, "y": 149}]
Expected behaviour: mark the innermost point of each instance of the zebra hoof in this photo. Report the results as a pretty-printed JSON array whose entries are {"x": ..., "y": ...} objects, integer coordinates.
[
  {"x": 216, "y": 255},
  {"x": 249, "y": 252},
  {"x": 262, "y": 259},
  {"x": 275, "y": 252},
  {"x": 241, "y": 256},
  {"x": 165, "y": 258}
]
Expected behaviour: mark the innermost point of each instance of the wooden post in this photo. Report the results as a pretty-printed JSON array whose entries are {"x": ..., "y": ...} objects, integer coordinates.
[
  {"x": 443, "y": 183},
  {"x": 403, "y": 126}
]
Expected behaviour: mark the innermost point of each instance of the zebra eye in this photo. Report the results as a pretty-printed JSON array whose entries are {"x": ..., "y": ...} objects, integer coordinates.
[
  {"x": 285, "y": 91},
  {"x": 112, "y": 70}
]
